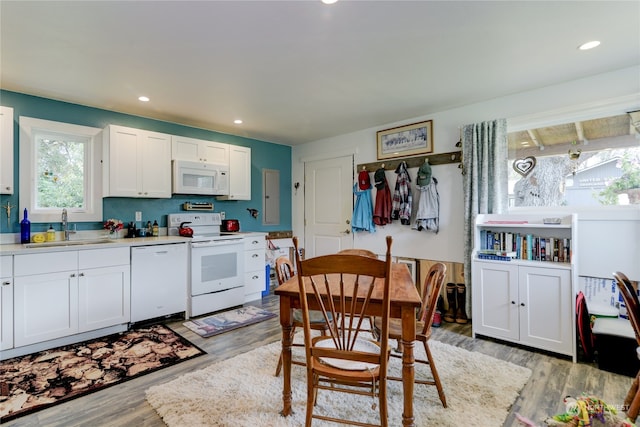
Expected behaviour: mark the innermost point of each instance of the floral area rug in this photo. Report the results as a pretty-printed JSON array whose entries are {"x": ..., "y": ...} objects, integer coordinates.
[
  {"x": 228, "y": 320},
  {"x": 40, "y": 380}
]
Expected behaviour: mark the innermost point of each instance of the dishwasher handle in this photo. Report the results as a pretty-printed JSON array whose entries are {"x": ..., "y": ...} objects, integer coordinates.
[{"x": 226, "y": 242}]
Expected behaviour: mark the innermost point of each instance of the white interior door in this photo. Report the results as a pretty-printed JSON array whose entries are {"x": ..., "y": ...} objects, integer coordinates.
[{"x": 328, "y": 205}]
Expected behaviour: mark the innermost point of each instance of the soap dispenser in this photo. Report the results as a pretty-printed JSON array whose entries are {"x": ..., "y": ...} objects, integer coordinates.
[{"x": 51, "y": 234}]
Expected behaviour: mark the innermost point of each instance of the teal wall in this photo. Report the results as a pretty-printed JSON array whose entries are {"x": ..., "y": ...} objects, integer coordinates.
[{"x": 264, "y": 155}]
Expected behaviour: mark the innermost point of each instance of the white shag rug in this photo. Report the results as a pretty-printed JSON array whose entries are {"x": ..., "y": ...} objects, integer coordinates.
[{"x": 243, "y": 391}]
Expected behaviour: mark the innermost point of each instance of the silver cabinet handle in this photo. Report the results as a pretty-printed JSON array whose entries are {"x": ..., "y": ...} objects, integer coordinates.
[
  {"x": 73, "y": 275},
  {"x": 81, "y": 274}
]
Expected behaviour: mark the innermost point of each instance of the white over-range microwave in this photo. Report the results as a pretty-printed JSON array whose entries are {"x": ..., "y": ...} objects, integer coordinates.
[{"x": 209, "y": 179}]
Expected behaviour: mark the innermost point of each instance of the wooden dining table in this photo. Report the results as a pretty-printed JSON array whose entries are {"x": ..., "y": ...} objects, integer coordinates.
[{"x": 405, "y": 300}]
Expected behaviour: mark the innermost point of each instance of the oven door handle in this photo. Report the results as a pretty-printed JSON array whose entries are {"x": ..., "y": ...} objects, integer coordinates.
[{"x": 225, "y": 242}]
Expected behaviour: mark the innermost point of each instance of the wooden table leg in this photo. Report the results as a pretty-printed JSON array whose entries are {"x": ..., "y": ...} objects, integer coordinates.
[
  {"x": 287, "y": 340},
  {"x": 408, "y": 362}
]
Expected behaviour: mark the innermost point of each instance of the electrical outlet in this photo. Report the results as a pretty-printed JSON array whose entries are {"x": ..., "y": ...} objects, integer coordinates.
[
  {"x": 138, "y": 216},
  {"x": 223, "y": 215}
]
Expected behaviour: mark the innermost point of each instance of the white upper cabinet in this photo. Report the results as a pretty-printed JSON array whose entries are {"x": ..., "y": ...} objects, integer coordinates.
[
  {"x": 239, "y": 174},
  {"x": 6, "y": 150},
  {"x": 198, "y": 150},
  {"x": 137, "y": 163}
]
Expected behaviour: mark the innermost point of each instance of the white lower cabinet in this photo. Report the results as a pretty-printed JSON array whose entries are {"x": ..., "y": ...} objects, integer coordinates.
[
  {"x": 58, "y": 294},
  {"x": 103, "y": 297},
  {"x": 6, "y": 302},
  {"x": 528, "y": 305},
  {"x": 254, "y": 267}
]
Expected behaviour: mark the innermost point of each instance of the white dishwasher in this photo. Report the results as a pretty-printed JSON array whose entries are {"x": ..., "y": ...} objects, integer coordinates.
[{"x": 159, "y": 277}]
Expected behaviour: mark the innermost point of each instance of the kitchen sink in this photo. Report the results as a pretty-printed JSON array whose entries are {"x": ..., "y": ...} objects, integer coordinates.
[{"x": 67, "y": 243}]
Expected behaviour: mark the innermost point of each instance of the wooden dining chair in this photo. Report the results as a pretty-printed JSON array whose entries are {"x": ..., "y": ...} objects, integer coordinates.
[
  {"x": 284, "y": 271},
  {"x": 361, "y": 252},
  {"x": 370, "y": 254},
  {"x": 432, "y": 287},
  {"x": 348, "y": 360},
  {"x": 630, "y": 298}
]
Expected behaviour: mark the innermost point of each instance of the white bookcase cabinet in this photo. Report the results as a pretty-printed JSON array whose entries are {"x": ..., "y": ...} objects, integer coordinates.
[{"x": 529, "y": 302}]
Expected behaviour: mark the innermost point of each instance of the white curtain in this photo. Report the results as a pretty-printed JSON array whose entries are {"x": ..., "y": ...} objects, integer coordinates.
[{"x": 485, "y": 168}]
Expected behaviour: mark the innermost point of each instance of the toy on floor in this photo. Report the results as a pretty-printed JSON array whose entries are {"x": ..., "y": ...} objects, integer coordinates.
[{"x": 585, "y": 411}]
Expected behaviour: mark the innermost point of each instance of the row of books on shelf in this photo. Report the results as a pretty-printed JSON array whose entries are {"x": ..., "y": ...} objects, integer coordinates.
[{"x": 505, "y": 246}]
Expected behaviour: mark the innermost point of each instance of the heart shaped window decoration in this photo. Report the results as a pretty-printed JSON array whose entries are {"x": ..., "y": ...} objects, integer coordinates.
[{"x": 525, "y": 165}]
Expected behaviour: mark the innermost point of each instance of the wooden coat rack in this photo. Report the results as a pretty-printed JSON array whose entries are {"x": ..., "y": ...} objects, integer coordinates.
[{"x": 413, "y": 162}]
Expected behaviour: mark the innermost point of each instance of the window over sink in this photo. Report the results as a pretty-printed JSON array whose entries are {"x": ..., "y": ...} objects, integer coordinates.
[{"x": 60, "y": 169}]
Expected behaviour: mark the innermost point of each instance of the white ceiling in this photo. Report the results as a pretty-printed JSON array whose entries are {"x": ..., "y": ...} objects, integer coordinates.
[{"x": 299, "y": 71}]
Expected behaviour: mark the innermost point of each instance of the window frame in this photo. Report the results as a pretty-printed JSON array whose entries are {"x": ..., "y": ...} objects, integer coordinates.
[
  {"x": 92, "y": 212},
  {"x": 589, "y": 111}
]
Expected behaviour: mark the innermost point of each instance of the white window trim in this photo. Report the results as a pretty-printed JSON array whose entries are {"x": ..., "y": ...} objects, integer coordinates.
[
  {"x": 592, "y": 110},
  {"x": 93, "y": 210}
]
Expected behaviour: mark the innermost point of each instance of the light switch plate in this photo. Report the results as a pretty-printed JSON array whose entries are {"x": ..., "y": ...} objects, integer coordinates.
[
  {"x": 223, "y": 215},
  {"x": 138, "y": 216}
]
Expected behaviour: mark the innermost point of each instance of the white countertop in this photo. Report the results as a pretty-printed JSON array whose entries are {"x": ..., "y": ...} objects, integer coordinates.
[{"x": 17, "y": 248}]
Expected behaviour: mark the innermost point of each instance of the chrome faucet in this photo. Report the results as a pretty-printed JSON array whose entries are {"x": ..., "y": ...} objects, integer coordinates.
[{"x": 65, "y": 224}]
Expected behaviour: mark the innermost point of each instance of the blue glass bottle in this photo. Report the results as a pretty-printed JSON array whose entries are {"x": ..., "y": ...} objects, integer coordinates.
[{"x": 25, "y": 229}]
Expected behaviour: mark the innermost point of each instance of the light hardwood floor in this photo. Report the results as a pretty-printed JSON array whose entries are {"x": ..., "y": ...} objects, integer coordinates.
[{"x": 553, "y": 378}]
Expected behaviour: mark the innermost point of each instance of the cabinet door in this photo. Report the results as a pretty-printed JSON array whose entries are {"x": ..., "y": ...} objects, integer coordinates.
[
  {"x": 45, "y": 307},
  {"x": 239, "y": 173},
  {"x": 123, "y": 173},
  {"x": 155, "y": 165},
  {"x": 6, "y": 316},
  {"x": 215, "y": 152},
  {"x": 545, "y": 308},
  {"x": 104, "y": 297},
  {"x": 199, "y": 150},
  {"x": 183, "y": 148},
  {"x": 495, "y": 300},
  {"x": 6, "y": 150},
  {"x": 254, "y": 284},
  {"x": 6, "y": 302}
]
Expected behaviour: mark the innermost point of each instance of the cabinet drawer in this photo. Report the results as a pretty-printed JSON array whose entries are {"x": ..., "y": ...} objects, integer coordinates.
[
  {"x": 254, "y": 260},
  {"x": 104, "y": 257},
  {"x": 49, "y": 262},
  {"x": 254, "y": 282},
  {"x": 6, "y": 266},
  {"x": 257, "y": 242}
]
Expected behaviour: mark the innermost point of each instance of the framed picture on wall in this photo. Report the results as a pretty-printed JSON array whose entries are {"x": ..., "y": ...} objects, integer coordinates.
[
  {"x": 413, "y": 267},
  {"x": 405, "y": 141}
]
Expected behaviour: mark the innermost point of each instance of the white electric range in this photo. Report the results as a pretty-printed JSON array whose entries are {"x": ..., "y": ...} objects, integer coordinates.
[{"x": 216, "y": 279}]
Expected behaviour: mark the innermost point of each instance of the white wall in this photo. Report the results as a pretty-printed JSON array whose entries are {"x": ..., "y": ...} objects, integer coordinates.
[{"x": 600, "y": 94}]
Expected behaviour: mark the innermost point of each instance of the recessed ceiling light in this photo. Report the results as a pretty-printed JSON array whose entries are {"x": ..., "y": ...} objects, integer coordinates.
[
  {"x": 589, "y": 45},
  {"x": 329, "y": 1},
  {"x": 143, "y": 98},
  {"x": 237, "y": 121}
]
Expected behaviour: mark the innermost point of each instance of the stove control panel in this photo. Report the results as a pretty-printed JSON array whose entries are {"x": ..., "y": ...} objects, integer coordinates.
[{"x": 195, "y": 219}]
